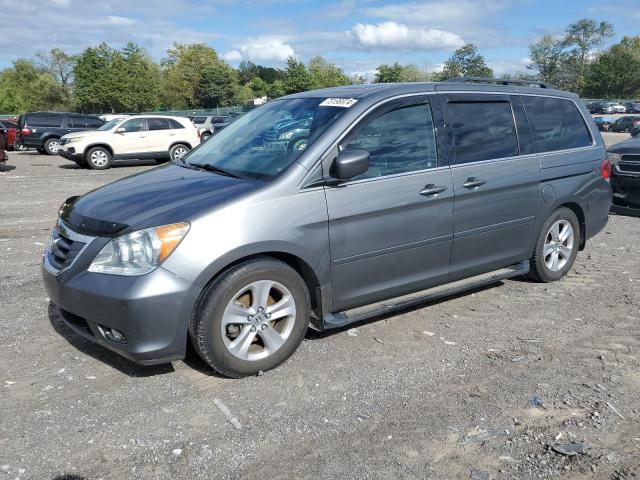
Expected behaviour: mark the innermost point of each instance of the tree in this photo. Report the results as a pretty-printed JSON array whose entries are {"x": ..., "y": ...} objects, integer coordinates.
[
  {"x": 298, "y": 78},
  {"x": 616, "y": 72},
  {"x": 60, "y": 65},
  {"x": 547, "y": 58},
  {"x": 277, "y": 89},
  {"x": 465, "y": 62},
  {"x": 259, "y": 87},
  {"x": 183, "y": 70},
  {"x": 582, "y": 38},
  {"x": 25, "y": 87},
  {"x": 218, "y": 85},
  {"x": 324, "y": 74},
  {"x": 389, "y": 73}
]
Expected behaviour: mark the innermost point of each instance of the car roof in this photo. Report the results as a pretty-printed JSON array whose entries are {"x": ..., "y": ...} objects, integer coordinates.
[
  {"x": 153, "y": 115},
  {"x": 382, "y": 90}
]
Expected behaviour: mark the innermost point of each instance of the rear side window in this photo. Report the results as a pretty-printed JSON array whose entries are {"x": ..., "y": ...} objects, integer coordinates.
[
  {"x": 481, "y": 131},
  {"x": 199, "y": 119},
  {"x": 77, "y": 122},
  {"x": 44, "y": 121},
  {"x": 398, "y": 141},
  {"x": 94, "y": 122},
  {"x": 556, "y": 124},
  {"x": 175, "y": 123},
  {"x": 158, "y": 124}
]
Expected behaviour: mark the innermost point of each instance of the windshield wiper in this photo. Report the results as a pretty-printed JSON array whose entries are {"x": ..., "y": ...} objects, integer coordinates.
[{"x": 212, "y": 168}]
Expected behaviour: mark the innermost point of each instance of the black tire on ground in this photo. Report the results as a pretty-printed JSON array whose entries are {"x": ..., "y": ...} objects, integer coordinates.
[
  {"x": 539, "y": 269},
  {"x": 98, "y": 158},
  {"x": 174, "y": 151},
  {"x": 205, "y": 137},
  {"x": 205, "y": 329},
  {"x": 41, "y": 150},
  {"x": 51, "y": 146}
]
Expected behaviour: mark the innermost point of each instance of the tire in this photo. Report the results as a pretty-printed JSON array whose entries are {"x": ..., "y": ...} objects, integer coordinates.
[
  {"x": 51, "y": 146},
  {"x": 98, "y": 158},
  {"x": 298, "y": 145},
  {"x": 268, "y": 342},
  {"x": 177, "y": 151},
  {"x": 41, "y": 150},
  {"x": 551, "y": 245},
  {"x": 204, "y": 137}
]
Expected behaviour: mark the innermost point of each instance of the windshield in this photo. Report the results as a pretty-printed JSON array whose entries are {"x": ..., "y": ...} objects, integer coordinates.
[
  {"x": 266, "y": 141},
  {"x": 109, "y": 125}
]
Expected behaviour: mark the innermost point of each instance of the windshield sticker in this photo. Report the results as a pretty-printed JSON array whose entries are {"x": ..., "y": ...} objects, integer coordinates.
[{"x": 338, "y": 102}]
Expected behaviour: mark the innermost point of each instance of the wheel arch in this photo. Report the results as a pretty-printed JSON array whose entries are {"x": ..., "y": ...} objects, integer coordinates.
[
  {"x": 180, "y": 142},
  {"x": 579, "y": 212},
  {"x": 294, "y": 261},
  {"x": 106, "y": 146}
]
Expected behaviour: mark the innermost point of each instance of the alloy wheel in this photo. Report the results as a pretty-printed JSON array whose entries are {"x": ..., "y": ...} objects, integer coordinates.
[
  {"x": 99, "y": 158},
  {"x": 258, "y": 320},
  {"x": 558, "y": 245}
]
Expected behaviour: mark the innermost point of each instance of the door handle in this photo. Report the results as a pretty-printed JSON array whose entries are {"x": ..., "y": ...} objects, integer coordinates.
[
  {"x": 473, "y": 182},
  {"x": 431, "y": 189}
]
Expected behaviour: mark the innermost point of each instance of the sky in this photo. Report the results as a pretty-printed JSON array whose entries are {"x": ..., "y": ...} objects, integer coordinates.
[{"x": 357, "y": 35}]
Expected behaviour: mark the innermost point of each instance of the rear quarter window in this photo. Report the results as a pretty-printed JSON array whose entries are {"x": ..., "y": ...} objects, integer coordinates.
[
  {"x": 175, "y": 123},
  {"x": 556, "y": 124}
]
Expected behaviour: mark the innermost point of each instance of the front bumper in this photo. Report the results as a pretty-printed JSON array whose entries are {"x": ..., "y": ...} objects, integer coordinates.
[
  {"x": 70, "y": 154},
  {"x": 626, "y": 194},
  {"x": 152, "y": 310}
]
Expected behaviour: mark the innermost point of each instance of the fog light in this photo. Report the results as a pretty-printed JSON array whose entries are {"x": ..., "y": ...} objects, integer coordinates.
[{"x": 113, "y": 334}]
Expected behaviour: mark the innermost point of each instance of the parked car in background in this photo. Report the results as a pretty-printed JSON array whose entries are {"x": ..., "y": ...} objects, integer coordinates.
[
  {"x": 11, "y": 130},
  {"x": 612, "y": 107},
  {"x": 240, "y": 248},
  {"x": 43, "y": 130},
  {"x": 133, "y": 137},
  {"x": 625, "y": 124},
  {"x": 604, "y": 123},
  {"x": 595, "y": 107},
  {"x": 3, "y": 145},
  {"x": 211, "y": 124},
  {"x": 625, "y": 177},
  {"x": 635, "y": 131},
  {"x": 632, "y": 107}
]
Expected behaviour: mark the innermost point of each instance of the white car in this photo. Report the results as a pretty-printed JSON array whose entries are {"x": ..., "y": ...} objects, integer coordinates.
[{"x": 137, "y": 136}]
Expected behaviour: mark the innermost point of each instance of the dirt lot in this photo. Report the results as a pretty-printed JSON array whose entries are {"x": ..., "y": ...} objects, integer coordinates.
[{"x": 490, "y": 384}]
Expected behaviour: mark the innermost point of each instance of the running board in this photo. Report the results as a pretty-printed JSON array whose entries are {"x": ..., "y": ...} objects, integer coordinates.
[{"x": 340, "y": 319}]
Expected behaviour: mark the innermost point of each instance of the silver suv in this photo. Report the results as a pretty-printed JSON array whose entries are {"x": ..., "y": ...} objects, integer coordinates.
[{"x": 401, "y": 194}]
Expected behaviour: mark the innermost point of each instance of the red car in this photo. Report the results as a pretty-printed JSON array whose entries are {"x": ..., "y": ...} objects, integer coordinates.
[{"x": 12, "y": 130}]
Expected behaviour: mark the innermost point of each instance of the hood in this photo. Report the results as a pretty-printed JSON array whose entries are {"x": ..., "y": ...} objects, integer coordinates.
[
  {"x": 163, "y": 195},
  {"x": 631, "y": 146},
  {"x": 86, "y": 133}
]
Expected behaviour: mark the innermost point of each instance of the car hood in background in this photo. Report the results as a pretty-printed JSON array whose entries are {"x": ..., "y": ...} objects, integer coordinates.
[
  {"x": 88, "y": 133},
  {"x": 631, "y": 146},
  {"x": 160, "y": 196}
]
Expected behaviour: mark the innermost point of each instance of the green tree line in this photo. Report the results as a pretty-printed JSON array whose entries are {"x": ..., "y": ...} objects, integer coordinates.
[{"x": 106, "y": 79}]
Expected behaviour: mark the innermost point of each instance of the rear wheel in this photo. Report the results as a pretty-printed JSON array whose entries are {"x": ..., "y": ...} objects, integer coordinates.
[
  {"x": 253, "y": 317},
  {"x": 51, "y": 146},
  {"x": 557, "y": 246},
  {"x": 98, "y": 158},
  {"x": 178, "y": 151}
]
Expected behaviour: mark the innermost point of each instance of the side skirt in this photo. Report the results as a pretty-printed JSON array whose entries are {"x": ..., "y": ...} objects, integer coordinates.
[{"x": 340, "y": 319}]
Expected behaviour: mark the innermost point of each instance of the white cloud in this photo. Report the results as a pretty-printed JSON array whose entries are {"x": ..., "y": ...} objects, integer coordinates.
[
  {"x": 117, "y": 20},
  {"x": 266, "y": 48},
  {"x": 62, "y": 3},
  {"x": 396, "y": 36}
]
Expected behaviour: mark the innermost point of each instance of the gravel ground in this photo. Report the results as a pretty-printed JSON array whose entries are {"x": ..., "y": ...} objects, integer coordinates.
[{"x": 503, "y": 382}]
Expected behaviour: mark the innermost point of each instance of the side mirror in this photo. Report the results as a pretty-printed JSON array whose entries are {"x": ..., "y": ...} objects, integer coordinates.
[
  {"x": 349, "y": 164},
  {"x": 120, "y": 130}
]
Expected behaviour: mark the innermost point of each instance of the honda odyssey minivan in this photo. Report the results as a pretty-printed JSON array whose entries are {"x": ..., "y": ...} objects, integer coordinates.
[{"x": 401, "y": 194}]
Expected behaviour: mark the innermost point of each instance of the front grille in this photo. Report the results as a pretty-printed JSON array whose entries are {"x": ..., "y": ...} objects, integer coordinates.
[
  {"x": 76, "y": 321},
  {"x": 63, "y": 141},
  {"x": 63, "y": 251},
  {"x": 629, "y": 164},
  {"x": 271, "y": 135}
]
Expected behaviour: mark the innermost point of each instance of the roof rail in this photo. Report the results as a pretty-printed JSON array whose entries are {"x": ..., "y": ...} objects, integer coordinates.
[{"x": 501, "y": 81}]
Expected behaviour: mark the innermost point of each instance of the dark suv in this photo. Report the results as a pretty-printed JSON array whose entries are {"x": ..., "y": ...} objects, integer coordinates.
[
  {"x": 402, "y": 193},
  {"x": 625, "y": 124},
  {"x": 42, "y": 130}
]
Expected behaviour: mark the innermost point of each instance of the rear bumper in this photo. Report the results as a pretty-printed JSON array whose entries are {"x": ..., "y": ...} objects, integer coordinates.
[{"x": 152, "y": 311}]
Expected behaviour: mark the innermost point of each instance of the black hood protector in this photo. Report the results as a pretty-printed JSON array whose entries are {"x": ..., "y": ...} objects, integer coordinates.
[{"x": 160, "y": 196}]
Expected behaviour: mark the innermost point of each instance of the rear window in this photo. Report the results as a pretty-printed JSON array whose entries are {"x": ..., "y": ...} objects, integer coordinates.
[
  {"x": 77, "y": 122},
  {"x": 199, "y": 119},
  {"x": 482, "y": 130},
  {"x": 158, "y": 124},
  {"x": 175, "y": 123},
  {"x": 94, "y": 122},
  {"x": 43, "y": 120},
  {"x": 556, "y": 124}
]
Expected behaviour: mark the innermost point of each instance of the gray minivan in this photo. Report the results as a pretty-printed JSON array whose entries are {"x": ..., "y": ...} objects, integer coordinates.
[{"x": 402, "y": 193}]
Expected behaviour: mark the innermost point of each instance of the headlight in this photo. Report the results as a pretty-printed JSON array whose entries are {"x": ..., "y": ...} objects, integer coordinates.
[
  {"x": 614, "y": 158},
  {"x": 285, "y": 136},
  {"x": 139, "y": 252}
]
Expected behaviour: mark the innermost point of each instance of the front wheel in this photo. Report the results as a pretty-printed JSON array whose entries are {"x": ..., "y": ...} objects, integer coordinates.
[
  {"x": 98, "y": 158},
  {"x": 557, "y": 246},
  {"x": 205, "y": 137},
  {"x": 253, "y": 317},
  {"x": 178, "y": 151}
]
